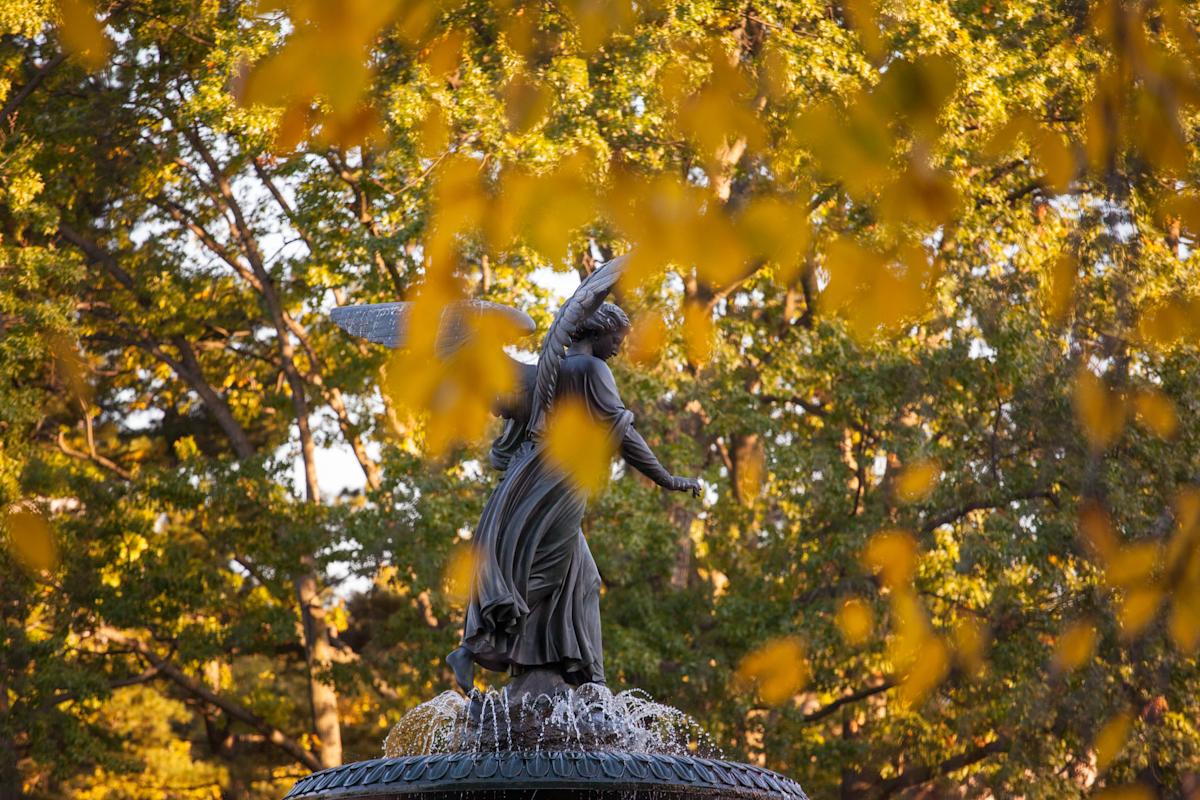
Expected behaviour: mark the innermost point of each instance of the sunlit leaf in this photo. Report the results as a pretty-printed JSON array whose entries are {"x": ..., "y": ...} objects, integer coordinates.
[
  {"x": 1097, "y": 530},
  {"x": 443, "y": 55},
  {"x": 970, "y": 644},
  {"x": 460, "y": 574},
  {"x": 1060, "y": 291},
  {"x": 1101, "y": 410},
  {"x": 751, "y": 469},
  {"x": 526, "y": 102},
  {"x": 1055, "y": 156},
  {"x": 1164, "y": 323},
  {"x": 893, "y": 555},
  {"x": 1133, "y": 564},
  {"x": 1075, "y": 646},
  {"x": 70, "y": 367},
  {"x": 1134, "y": 791},
  {"x": 779, "y": 669},
  {"x": 83, "y": 34},
  {"x": 1111, "y": 739},
  {"x": 1137, "y": 609},
  {"x": 855, "y": 620},
  {"x": 697, "y": 333},
  {"x": 646, "y": 339},
  {"x": 1156, "y": 412},
  {"x": 862, "y": 16},
  {"x": 1183, "y": 623},
  {"x": 917, "y": 480},
  {"x": 776, "y": 231},
  {"x": 579, "y": 445},
  {"x": 930, "y": 668},
  {"x": 873, "y": 291},
  {"x": 31, "y": 540}
]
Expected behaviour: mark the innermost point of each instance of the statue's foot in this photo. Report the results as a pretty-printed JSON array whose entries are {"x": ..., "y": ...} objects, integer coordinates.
[{"x": 464, "y": 669}]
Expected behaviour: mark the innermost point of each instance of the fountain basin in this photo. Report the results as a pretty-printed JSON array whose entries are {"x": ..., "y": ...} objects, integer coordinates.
[{"x": 514, "y": 775}]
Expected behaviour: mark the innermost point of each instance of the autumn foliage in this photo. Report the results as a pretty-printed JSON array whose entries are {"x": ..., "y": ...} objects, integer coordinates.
[{"x": 914, "y": 293}]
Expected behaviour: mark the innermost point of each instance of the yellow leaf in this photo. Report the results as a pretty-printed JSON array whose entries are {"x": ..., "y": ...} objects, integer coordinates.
[
  {"x": 443, "y": 55},
  {"x": 1111, "y": 739},
  {"x": 1138, "y": 609},
  {"x": 70, "y": 367},
  {"x": 778, "y": 668},
  {"x": 930, "y": 668},
  {"x": 855, "y": 620},
  {"x": 31, "y": 540},
  {"x": 1101, "y": 411},
  {"x": 434, "y": 132},
  {"x": 970, "y": 644},
  {"x": 1166, "y": 321},
  {"x": 697, "y": 333},
  {"x": 1060, "y": 292},
  {"x": 526, "y": 102},
  {"x": 1183, "y": 623},
  {"x": 292, "y": 127},
  {"x": 1133, "y": 564},
  {"x": 1004, "y": 139},
  {"x": 1133, "y": 791},
  {"x": 460, "y": 574},
  {"x": 83, "y": 34},
  {"x": 920, "y": 195},
  {"x": 578, "y": 445},
  {"x": 872, "y": 291},
  {"x": 1097, "y": 530},
  {"x": 646, "y": 338},
  {"x": 861, "y": 15},
  {"x": 893, "y": 555},
  {"x": 1055, "y": 156},
  {"x": 911, "y": 629},
  {"x": 1075, "y": 646},
  {"x": 916, "y": 481},
  {"x": 776, "y": 231},
  {"x": 1156, "y": 412}
]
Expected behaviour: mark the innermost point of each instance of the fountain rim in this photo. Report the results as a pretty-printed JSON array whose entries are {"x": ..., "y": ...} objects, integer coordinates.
[{"x": 541, "y": 769}]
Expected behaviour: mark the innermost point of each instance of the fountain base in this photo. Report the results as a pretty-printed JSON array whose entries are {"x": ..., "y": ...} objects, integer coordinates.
[{"x": 555, "y": 775}]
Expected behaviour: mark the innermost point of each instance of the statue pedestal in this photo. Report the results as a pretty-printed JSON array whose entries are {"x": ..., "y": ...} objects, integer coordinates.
[
  {"x": 553, "y": 775},
  {"x": 539, "y": 736}
]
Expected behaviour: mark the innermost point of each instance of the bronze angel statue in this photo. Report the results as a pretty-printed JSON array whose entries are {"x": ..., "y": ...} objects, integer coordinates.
[{"x": 535, "y": 592}]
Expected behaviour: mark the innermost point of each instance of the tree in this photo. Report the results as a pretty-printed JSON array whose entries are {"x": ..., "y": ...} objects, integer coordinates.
[{"x": 904, "y": 272}]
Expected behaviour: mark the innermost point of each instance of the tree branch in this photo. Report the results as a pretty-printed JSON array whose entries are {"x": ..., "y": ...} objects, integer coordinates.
[
  {"x": 206, "y": 695},
  {"x": 29, "y": 88},
  {"x": 956, "y": 514},
  {"x": 854, "y": 697}
]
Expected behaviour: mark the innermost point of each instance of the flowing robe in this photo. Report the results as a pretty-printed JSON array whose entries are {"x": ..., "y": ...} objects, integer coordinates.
[{"x": 535, "y": 594}]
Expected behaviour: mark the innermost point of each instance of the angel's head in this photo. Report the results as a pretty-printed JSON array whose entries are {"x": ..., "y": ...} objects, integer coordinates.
[{"x": 605, "y": 329}]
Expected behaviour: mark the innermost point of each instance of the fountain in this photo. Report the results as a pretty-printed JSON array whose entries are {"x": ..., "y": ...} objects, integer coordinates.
[
  {"x": 556, "y": 730},
  {"x": 573, "y": 742}
]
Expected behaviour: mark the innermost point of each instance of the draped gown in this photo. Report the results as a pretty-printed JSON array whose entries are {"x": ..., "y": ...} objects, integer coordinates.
[{"x": 535, "y": 595}]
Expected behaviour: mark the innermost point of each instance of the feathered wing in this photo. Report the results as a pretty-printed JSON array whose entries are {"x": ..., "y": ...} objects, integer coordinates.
[
  {"x": 387, "y": 323},
  {"x": 382, "y": 323},
  {"x": 583, "y": 303}
]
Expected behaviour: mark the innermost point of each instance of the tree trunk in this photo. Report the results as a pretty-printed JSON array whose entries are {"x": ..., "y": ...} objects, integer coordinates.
[
  {"x": 10, "y": 776},
  {"x": 322, "y": 692}
]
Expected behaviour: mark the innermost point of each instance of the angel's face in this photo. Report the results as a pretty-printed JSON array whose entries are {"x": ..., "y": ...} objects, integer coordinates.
[{"x": 607, "y": 345}]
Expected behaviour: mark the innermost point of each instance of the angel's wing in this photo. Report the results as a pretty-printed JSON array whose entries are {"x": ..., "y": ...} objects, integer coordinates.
[
  {"x": 387, "y": 323},
  {"x": 586, "y": 299}
]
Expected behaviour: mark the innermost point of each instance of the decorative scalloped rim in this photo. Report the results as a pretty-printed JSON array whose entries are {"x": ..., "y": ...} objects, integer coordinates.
[{"x": 569, "y": 769}]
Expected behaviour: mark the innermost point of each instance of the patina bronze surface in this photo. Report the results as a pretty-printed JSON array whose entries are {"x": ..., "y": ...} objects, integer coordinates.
[{"x": 535, "y": 593}]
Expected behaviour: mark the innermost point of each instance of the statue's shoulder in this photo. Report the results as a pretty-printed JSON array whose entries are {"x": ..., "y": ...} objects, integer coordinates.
[{"x": 583, "y": 364}]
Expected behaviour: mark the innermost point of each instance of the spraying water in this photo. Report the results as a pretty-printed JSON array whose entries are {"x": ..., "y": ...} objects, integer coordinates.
[{"x": 587, "y": 717}]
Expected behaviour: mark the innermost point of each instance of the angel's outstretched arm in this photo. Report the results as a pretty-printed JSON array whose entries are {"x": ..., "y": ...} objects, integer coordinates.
[{"x": 605, "y": 403}]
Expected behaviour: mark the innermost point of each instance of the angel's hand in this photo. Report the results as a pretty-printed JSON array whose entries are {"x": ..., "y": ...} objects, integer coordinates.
[{"x": 681, "y": 484}]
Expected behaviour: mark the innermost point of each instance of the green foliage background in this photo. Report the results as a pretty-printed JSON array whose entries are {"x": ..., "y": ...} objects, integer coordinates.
[{"x": 149, "y": 224}]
